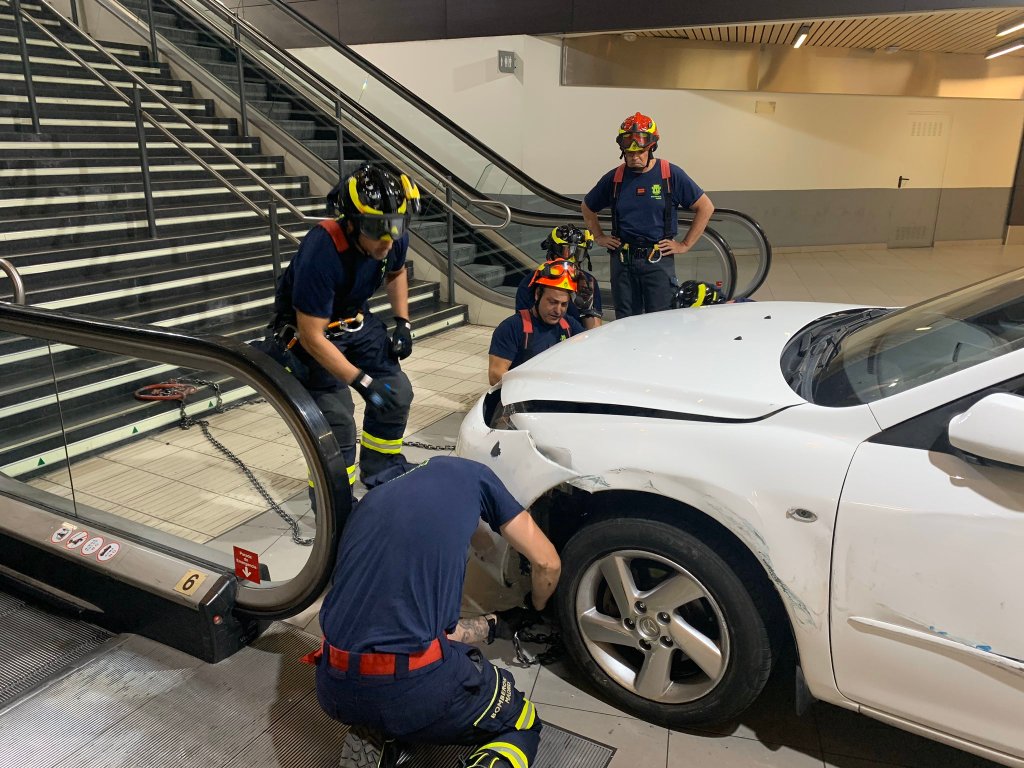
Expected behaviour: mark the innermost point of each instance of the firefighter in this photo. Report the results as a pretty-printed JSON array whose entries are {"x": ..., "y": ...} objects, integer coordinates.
[
  {"x": 530, "y": 331},
  {"x": 572, "y": 244},
  {"x": 644, "y": 194},
  {"x": 394, "y": 657},
  {"x": 322, "y": 301}
]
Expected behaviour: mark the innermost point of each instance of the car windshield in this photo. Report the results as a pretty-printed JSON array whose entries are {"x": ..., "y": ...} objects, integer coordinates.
[{"x": 860, "y": 362}]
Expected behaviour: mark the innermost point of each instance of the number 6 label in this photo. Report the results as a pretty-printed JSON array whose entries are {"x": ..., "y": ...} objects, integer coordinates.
[{"x": 190, "y": 582}]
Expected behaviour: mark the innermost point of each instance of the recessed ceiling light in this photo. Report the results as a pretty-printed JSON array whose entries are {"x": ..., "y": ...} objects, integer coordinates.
[
  {"x": 801, "y": 35},
  {"x": 1010, "y": 47}
]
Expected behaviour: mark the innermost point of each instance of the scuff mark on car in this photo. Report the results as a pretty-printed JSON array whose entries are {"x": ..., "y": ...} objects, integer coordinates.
[
  {"x": 590, "y": 483},
  {"x": 760, "y": 546}
]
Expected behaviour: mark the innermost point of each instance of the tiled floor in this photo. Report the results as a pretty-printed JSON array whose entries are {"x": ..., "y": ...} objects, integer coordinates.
[{"x": 448, "y": 372}]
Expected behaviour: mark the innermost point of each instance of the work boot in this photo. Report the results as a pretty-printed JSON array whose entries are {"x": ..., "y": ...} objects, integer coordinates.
[{"x": 366, "y": 748}]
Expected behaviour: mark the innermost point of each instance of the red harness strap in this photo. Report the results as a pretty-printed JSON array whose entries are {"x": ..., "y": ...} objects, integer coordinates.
[
  {"x": 527, "y": 318},
  {"x": 375, "y": 663},
  {"x": 337, "y": 234},
  {"x": 666, "y": 176}
]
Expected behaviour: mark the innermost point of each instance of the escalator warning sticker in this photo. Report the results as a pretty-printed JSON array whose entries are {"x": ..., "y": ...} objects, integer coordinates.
[
  {"x": 65, "y": 530},
  {"x": 108, "y": 551},
  {"x": 77, "y": 540},
  {"x": 92, "y": 545},
  {"x": 190, "y": 582}
]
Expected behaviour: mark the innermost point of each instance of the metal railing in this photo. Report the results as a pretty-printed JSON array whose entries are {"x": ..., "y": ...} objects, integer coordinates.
[
  {"x": 16, "y": 282},
  {"x": 248, "y": 43},
  {"x": 142, "y": 116}
]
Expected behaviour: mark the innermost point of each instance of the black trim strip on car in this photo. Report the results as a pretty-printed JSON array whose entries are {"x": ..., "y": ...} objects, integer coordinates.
[{"x": 609, "y": 409}]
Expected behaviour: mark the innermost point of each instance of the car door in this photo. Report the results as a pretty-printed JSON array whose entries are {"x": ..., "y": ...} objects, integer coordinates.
[{"x": 928, "y": 581}]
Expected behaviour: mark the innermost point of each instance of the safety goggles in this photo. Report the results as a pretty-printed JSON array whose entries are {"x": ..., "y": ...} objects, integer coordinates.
[
  {"x": 379, "y": 227},
  {"x": 637, "y": 141},
  {"x": 557, "y": 269}
]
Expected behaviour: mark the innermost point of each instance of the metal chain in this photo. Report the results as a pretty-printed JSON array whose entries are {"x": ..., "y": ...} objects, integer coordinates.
[
  {"x": 188, "y": 421},
  {"x": 553, "y": 641},
  {"x": 427, "y": 446}
]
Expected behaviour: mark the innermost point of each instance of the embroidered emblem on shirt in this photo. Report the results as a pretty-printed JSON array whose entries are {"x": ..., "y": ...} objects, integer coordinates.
[{"x": 656, "y": 191}]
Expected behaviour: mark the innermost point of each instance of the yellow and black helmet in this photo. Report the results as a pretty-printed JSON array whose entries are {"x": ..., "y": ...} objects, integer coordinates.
[
  {"x": 377, "y": 201},
  {"x": 568, "y": 242},
  {"x": 638, "y": 133},
  {"x": 696, "y": 294}
]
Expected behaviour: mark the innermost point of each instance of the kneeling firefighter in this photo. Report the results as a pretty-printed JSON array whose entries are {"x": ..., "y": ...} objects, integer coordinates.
[{"x": 321, "y": 302}]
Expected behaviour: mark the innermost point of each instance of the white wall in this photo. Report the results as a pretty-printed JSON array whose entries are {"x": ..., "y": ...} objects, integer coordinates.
[{"x": 563, "y": 136}]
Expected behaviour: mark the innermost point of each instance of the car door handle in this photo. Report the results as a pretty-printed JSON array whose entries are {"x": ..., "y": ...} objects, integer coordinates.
[{"x": 899, "y": 184}]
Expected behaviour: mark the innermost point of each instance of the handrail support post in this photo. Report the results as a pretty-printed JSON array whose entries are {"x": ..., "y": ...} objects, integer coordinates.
[
  {"x": 153, "y": 52},
  {"x": 275, "y": 245},
  {"x": 341, "y": 138},
  {"x": 451, "y": 240},
  {"x": 242, "y": 111},
  {"x": 147, "y": 183},
  {"x": 26, "y": 66}
]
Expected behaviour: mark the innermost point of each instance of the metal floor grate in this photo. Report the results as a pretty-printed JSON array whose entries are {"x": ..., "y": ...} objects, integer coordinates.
[
  {"x": 143, "y": 704},
  {"x": 36, "y": 646}
]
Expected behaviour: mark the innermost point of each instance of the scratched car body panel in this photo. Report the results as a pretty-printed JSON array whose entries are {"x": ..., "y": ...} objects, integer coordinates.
[{"x": 895, "y": 555}]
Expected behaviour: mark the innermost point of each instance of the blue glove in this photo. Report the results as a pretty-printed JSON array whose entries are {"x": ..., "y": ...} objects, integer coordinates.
[{"x": 377, "y": 393}]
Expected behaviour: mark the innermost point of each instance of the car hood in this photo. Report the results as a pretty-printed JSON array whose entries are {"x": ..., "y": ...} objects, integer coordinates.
[{"x": 718, "y": 362}]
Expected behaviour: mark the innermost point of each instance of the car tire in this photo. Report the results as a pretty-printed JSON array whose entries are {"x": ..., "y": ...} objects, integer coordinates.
[{"x": 718, "y": 614}]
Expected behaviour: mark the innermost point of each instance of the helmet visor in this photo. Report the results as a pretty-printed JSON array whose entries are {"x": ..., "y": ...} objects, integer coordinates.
[
  {"x": 380, "y": 227},
  {"x": 637, "y": 141}
]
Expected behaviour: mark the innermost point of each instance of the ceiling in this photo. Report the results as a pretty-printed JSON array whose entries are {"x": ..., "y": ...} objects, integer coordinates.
[{"x": 964, "y": 31}]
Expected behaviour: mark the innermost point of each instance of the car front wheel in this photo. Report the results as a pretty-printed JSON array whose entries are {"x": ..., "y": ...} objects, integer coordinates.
[{"x": 661, "y": 623}]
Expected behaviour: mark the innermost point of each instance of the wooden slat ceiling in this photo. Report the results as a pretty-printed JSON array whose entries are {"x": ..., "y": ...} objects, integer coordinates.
[{"x": 969, "y": 31}]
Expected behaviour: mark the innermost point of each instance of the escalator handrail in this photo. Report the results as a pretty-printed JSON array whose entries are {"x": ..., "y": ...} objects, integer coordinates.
[
  {"x": 16, "y": 281},
  {"x": 292, "y": 402}
]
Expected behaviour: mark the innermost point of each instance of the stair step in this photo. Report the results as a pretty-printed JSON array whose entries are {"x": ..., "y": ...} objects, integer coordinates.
[{"x": 491, "y": 276}]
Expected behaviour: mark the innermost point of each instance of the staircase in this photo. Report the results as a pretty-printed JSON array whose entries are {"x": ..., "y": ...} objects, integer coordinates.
[
  {"x": 73, "y": 221},
  {"x": 484, "y": 260}
]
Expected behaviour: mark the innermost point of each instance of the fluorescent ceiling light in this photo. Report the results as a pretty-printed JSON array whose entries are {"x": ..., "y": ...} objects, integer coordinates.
[
  {"x": 1011, "y": 26},
  {"x": 801, "y": 35},
  {"x": 1002, "y": 50}
]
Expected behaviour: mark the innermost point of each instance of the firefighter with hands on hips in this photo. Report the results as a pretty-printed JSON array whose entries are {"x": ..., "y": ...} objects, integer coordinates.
[
  {"x": 322, "y": 300},
  {"x": 570, "y": 243},
  {"x": 530, "y": 331},
  {"x": 643, "y": 194},
  {"x": 395, "y": 660}
]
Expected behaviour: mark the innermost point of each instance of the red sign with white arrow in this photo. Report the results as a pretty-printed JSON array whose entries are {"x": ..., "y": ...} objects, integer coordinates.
[{"x": 247, "y": 565}]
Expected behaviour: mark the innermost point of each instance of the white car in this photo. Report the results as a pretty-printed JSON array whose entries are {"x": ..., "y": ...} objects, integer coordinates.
[{"x": 724, "y": 480}]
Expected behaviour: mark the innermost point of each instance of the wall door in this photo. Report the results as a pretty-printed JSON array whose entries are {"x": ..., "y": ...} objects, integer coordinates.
[{"x": 917, "y": 179}]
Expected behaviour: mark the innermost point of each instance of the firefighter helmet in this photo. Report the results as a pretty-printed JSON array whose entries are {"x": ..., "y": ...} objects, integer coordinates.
[
  {"x": 568, "y": 242},
  {"x": 638, "y": 133},
  {"x": 376, "y": 201},
  {"x": 696, "y": 294},
  {"x": 558, "y": 273}
]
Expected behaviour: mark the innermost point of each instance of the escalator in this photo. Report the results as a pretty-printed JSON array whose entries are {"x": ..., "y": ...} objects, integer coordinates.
[{"x": 360, "y": 114}]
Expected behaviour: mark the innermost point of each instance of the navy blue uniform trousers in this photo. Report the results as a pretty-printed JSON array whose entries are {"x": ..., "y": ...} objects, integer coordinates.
[
  {"x": 639, "y": 286},
  {"x": 462, "y": 699}
]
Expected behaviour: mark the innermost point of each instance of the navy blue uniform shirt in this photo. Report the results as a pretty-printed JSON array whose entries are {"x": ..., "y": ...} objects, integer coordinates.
[
  {"x": 315, "y": 282},
  {"x": 507, "y": 339},
  {"x": 524, "y": 299},
  {"x": 402, "y": 560},
  {"x": 641, "y": 202}
]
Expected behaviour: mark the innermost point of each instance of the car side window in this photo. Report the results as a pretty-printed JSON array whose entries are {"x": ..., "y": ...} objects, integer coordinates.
[{"x": 929, "y": 431}]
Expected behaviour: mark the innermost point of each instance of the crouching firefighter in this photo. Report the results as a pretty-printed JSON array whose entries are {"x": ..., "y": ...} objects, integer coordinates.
[
  {"x": 395, "y": 660},
  {"x": 322, "y": 314},
  {"x": 572, "y": 244},
  {"x": 529, "y": 332}
]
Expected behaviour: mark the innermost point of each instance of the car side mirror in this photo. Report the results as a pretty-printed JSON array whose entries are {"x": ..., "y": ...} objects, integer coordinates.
[{"x": 992, "y": 428}]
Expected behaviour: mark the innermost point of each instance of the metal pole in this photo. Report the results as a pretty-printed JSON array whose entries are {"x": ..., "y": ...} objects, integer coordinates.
[
  {"x": 341, "y": 142},
  {"x": 241, "y": 79},
  {"x": 26, "y": 67},
  {"x": 74, "y": 12},
  {"x": 152, "y": 32},
  {"x": 275, "y": 246},
  {"x": 147, "y": 186},
  {"x": 451, "y": 242}
]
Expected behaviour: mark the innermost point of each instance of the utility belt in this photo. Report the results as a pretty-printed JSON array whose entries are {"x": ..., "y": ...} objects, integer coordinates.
[
  {"x": 288, "y": 335},
  {"x": 641, "y": 251},
  {"x": 377, "y": 664}
]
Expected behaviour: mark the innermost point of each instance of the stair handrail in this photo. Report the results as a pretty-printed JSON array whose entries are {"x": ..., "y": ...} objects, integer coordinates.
[
  {"x": 16, "y": 281},
  {"x": 156, "y": 123},
  {"x": 446, "y": 177}
]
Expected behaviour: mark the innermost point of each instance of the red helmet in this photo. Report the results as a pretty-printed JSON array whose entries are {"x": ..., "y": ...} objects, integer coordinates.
[
  {"x": 557, "y": 273},
  {"x": 638, "y": 133}
]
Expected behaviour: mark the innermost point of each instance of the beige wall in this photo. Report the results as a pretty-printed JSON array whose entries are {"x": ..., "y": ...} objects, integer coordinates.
[{"x": 563, "y": 135}]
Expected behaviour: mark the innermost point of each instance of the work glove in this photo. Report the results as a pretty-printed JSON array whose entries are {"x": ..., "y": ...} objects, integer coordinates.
[
  {"x": 375, "y": 392},
  {"x": 400, "y": 343},
  {"x": 584, "y": 296}
]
